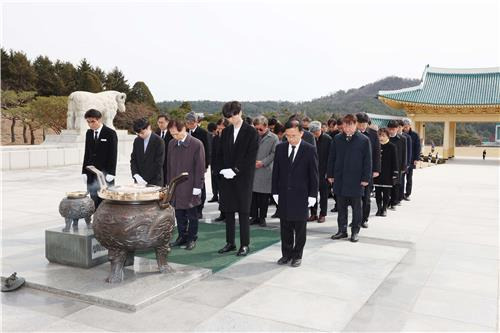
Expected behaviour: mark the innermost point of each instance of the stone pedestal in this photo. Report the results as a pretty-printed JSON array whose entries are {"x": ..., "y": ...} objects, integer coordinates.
[{"x": 74, "y": 248}]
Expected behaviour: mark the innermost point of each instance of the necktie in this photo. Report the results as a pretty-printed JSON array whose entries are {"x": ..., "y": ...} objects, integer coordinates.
[
  {"x": 95, "y": 135},
  {"x": 290, "y": 158},
  {"x": 163, "y": 134}
]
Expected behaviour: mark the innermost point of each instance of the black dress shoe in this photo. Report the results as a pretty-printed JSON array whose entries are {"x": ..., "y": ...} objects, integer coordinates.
[
  {"x": 383, "y": 213},
  {"x": 254, "y": 221},
  {"x": 296, "y": 262},
  {"x": 262, "y": 223},
  {"x": 214, "y": 199},
  {"x": 340, "y": 235},
  {"x": 378, "y": 212},
  {"x": 354, "y": 238},
  {"x": 284, "y": 261},
  {"x": 191, "y": 245},
  {"x": 334, "y": 210},
  {"x": 219, "y": 219},
  {"x": 243, "y": 251},
  {"x": 406, "y": 198},
  {"x": 227, "y": 248},
  {"x": 364, "y": 224},
  {"x": 178, "y": 242},
  {"x": 275, "y": 216}
]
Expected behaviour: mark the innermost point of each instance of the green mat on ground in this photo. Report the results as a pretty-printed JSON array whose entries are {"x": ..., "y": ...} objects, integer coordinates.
[{"x": 211, "y": 238}]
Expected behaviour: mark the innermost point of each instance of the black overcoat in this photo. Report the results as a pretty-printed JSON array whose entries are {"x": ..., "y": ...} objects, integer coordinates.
[
  {"x": 389, "y": 167},
  {"x": 323, "y": 148},
  {"x": 202, "y": 135},
  {"x": 350, "y": 163},
  {"x": 240, "y": 156},
  {"x": 295, "y": 182},
  {"x": 148, "y": 164},
  {"x": 101, "y": 154}
]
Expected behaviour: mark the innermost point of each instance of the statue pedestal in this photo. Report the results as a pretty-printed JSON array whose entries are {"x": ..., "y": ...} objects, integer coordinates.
[
  {"x": 66, "y": 148},
  {"x": 74, "y": 248}
]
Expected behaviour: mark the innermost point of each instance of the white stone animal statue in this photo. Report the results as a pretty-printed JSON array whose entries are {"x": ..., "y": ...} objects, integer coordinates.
[{"x": 107, "y": 102}]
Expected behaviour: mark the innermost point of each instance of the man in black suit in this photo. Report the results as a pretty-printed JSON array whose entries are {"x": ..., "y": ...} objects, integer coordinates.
[
  {"x": 350, "y": 171},
  {"x": 101, "y": 149},
  {"x": 164, "y": 133},
  {"x": 400, "y": 143},
  {"x": 323, "y": 142},
  {"x": 415, "y": 157},
  {"x": 294, "y": 188},
  {"x": 237, "y": 154},
  {"x": 148, "y": 154},
  {"x": 202, "y": 135},
  {"x": 372, "y": 135}
]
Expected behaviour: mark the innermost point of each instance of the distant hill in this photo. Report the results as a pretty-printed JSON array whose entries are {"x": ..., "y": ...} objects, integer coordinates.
[{"x": 341, "y": 102}]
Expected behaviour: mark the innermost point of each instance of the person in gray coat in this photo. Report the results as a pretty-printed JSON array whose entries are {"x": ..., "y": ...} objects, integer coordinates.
[
  {"x": 263, "y": 171},
  {"x": 186, "y": 154}
]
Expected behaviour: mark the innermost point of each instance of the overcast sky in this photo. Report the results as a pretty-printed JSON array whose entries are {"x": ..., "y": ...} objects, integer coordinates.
[{"x": 258, "y": 50}]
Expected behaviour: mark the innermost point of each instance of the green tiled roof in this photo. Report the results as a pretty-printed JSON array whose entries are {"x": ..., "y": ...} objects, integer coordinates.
[{"x": 443, "y": 86}]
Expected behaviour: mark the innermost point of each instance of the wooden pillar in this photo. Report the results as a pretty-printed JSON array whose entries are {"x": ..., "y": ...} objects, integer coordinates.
[
  {"x": 453, "y": 137},
  {"x": 446, "y": 139}
]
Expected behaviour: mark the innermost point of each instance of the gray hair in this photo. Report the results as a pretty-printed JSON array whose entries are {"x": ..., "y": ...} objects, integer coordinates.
[
  {"x": 315, "y": 126},
  {"x": 191, "y": 116},
  {"x": 407, "y": 121},
  {"x": 260, "y": 120}
]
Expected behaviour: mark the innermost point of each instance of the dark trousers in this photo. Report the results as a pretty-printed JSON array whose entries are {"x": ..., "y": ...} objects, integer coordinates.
[
  {"x": 187, "y": 223},
  {"x": 366, "y": 202},
  {"x": 323, "y": 199},
  {"x": 382, "y": 196},
  {"x": 394, "y": 195},
  {"x": 244, "y": 228},
  {"x": 215, "y": 184},
  {"x": 409, "y": 181},
  {"x": 342, "y": 204},
  {"x": 203, "y": 198},
  {"x": 293, "y": 238},
  {"x": 402, "y": 187},
  {"x": 260, "y": 203}
]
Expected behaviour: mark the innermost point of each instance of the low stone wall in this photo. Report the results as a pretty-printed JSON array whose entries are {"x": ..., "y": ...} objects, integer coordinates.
[{"x": 67, "y": 148}]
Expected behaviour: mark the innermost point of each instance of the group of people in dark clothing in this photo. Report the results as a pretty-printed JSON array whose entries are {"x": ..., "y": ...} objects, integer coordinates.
[{"x": 258, "y": 162}]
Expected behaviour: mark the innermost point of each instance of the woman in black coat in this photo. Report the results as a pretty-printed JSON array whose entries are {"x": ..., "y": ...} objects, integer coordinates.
[{"x": 388, "y": 172}]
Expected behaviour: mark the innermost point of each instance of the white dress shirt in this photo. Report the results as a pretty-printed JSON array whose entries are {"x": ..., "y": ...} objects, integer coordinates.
[{"x": 236, "y": 131}]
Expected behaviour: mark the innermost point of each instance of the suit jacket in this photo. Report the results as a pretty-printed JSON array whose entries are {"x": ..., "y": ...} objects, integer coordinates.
[
  {"x": 263, "y": 176},
  {"x": 416, "y": 148},
  {"x": 240, "y": 156},
  {"x": 188, "y": 157},
  {"x": 148, "y": 164},
  {"x": 101, "y": 154},
  {"x": 375, "y": 147},
  {"x": 350, "y": 163},
  {"x": 295, "y": 182},
  {"x": 166, "y": 140},
  {"x": 214, "y": 161},
  {"x": 323, "y": 149},
  {"x": 202, "y": 135}
]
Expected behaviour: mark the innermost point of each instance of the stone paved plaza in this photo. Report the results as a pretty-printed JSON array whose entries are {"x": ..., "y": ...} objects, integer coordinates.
[{"x": 432, "y": 265}]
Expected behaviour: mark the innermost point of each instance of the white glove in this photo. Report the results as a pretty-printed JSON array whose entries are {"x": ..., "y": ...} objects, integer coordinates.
[
  {"x": 110, "y": 178},
  {"x": 275, "y": 197},
  {"x": 311, "y": 201},
  {"x": 228, "y": 173},
  {"x": 196, "y": 191},
  {"x": 140, "y": 180},
  {"x": 84, "y": 177}
]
